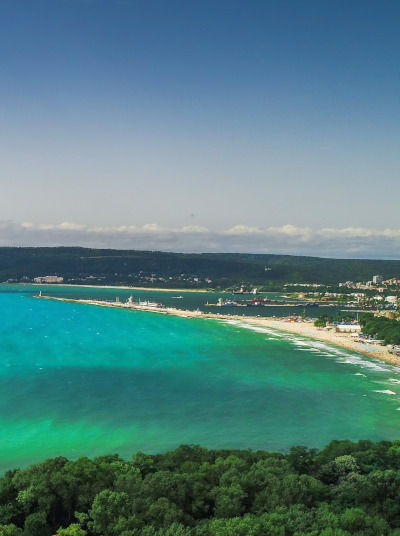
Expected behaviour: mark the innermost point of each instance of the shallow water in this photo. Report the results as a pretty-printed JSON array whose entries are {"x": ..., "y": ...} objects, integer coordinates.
[{"x": 84, "y": 380}]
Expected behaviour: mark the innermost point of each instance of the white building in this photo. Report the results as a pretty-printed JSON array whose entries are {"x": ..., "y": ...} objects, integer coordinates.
[
  {"x": 376, "y": 279},
  {"x": 349, "y": 327},
  {"x": 48, "y": 279}
]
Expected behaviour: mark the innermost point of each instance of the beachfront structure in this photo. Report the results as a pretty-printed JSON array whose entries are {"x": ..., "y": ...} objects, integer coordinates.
[
  {"x": 48, "y": 279},
  {"x": 344, "y": 327},
  {"x": 376, "y": 279}
]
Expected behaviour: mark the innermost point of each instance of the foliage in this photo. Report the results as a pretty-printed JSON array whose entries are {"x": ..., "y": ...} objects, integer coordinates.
[
  {"x": 345, "y": 489},
  {"x": 381, "y": 328},
  {"x": 73, "y": 530},
  {"x": 107, "y": 266},
  {"x": 10, "y": 530},
  {"x": 321, "y": 321}
]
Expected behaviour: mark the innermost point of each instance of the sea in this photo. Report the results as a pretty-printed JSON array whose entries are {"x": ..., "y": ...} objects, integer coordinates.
[{"x": 80, "y": 380}]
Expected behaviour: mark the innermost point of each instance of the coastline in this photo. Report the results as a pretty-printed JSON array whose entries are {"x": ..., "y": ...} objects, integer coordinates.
[
  {"x": 307, "y": 329},
  {"x": 303, "y": 329}
]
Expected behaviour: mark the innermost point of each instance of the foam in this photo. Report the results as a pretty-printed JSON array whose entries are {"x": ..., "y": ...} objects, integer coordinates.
[
  {"x": 318, "y": 347},
  {"x": 251, "y": 327},
  {"x": 384, "y": 391}
]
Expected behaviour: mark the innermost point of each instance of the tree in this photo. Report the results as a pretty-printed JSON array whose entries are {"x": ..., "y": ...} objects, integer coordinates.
[
  {"x": 73, "y": 530},
  {"x": 10, "y": 530},
  {"x": 176, "y": 529},
  {"x": 301, "y": 459},
  {"x": 346, "y": 489},
  {"x": 321, "y": 321},
  {"x": 163, "y": 513},
  {"x": 144, "y": 463},
  {"x": 111, "y": 513},
  {"x": 229, "y": 501},
  {"x": 36, "y": 525},
  {"x": 355, "y": 520}
]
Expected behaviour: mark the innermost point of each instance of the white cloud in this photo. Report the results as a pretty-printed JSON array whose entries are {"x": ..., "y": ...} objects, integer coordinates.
[
  {"x": 153, "y": 227},
  {"x": 289, "y": 239},
  {"x": 243, "y": 230},
  {"x": 69, "y": 226}
]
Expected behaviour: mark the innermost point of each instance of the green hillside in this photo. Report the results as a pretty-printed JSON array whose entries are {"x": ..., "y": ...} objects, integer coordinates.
[{"x": 107, "y": 266}]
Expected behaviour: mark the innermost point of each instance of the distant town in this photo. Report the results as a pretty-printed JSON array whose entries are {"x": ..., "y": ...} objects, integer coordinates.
[
  {"x": 141, "y": 277},
  {"x": 377, "y": 293}
]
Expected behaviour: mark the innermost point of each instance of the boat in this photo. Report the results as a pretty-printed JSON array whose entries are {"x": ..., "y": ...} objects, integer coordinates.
[{"x": 151, "y": 304}]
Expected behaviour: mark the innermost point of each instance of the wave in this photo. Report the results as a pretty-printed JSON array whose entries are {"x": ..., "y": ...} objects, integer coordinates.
[
  {"x": 322, "y": 348},
  {"x": 251, "y": 327}
]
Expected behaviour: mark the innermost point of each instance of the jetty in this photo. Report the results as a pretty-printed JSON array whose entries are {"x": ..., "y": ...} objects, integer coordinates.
[{"x": 129, "y": 305}]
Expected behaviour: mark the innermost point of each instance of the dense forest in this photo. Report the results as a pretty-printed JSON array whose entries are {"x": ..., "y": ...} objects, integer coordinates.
[
  {"x": 180, "y": 270},
  {"x": 345, "y": 489},
  {"x": 382, "y": 328}
]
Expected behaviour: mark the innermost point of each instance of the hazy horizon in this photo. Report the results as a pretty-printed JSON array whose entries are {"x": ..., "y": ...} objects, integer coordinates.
[
  {"x": 265, "y": 127},
  {"x": 151, "y": 239}
]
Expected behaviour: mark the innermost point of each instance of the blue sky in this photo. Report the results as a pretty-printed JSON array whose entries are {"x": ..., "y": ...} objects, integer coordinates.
[{"x": 177, "y": 124}]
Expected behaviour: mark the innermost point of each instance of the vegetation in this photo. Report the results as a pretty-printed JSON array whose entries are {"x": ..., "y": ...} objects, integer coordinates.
[
  {"x": 345, "y": 489},
  {"x": 219, "y": 270},
  {"x": 381, "y": 328},
  {"x": 321, "y": 321}
]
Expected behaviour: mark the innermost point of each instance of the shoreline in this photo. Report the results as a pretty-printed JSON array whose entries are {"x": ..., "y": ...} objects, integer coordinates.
[
  {"x": 308, "y": 330},
  {"x": 303, "y": 329}
]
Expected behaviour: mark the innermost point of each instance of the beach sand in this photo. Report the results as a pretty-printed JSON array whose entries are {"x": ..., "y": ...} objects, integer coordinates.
[{"x": 307, "y": 329}]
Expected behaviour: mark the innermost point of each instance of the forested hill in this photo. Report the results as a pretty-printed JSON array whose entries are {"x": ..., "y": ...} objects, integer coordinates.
[
  {"x": 184, "y": 270},
  {"x": 345, "y": 489}
]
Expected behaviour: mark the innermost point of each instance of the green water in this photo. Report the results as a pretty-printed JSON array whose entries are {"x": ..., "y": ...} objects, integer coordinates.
[{"x": 83, "y": 380}]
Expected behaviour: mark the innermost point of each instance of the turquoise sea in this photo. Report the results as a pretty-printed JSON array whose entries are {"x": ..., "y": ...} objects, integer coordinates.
[{"x": 84, "y": 380}]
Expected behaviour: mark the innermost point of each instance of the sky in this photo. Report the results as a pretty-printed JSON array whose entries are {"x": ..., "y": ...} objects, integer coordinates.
[{"x": 185, "y": 125}]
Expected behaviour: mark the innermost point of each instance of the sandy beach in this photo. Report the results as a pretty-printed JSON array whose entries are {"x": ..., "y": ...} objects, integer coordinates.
[
  {"x": 301, "y": 328},
  {"x": 307, "y": 329}
]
